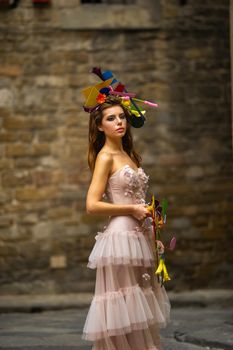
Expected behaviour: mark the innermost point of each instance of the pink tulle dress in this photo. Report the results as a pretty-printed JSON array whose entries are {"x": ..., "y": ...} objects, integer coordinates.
[{"x": 129, "y": 306}]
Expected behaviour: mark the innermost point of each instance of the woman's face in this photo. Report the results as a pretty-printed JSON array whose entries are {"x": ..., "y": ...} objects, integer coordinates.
[{"x": 114, "y": 122}]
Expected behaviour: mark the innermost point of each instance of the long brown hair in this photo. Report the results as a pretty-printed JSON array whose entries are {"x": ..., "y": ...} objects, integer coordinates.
[{"x": 97, "y": 137}]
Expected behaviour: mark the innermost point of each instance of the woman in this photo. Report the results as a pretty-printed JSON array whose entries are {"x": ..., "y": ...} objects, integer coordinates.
[{"x": 129, "y": 305}]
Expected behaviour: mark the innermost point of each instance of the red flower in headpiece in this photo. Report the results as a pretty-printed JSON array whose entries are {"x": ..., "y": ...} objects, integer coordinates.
[{"x": 101, "y": 98}]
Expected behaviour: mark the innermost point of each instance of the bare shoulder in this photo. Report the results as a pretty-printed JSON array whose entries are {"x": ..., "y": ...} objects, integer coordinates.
[
  {"x": 104, "y": 161},
  {"x": 104, "y": 157}
]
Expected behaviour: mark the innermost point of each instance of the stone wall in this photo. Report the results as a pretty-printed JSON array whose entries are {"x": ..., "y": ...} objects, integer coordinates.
[
  {"x": 178, "y": 55},
  {"x": 231, "y": 39}
]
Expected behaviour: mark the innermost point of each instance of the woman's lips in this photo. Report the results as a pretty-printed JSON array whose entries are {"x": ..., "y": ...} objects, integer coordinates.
[{"x": 120, "y": 129}]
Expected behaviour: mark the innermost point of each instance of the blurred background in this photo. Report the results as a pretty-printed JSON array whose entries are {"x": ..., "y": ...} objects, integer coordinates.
[{"x": 173, "y": 52}]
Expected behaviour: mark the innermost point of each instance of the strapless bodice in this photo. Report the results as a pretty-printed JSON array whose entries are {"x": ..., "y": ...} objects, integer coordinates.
[{"x": 127, "y": 186}]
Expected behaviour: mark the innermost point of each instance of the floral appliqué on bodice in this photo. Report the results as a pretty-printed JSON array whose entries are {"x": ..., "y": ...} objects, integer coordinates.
[
  {"x": 127, "y": 183},
  {"x": 137, "y": 184}
]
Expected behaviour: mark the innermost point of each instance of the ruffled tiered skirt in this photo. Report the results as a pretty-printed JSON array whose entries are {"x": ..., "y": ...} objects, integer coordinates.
[{"x": 129, "y": 306}]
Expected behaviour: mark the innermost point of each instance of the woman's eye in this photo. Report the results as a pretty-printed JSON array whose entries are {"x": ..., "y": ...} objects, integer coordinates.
[{"x": 113, "y": 118}]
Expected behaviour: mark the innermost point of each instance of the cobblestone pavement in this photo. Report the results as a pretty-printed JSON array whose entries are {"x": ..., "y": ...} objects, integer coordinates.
[{"x": 191, "y": 328}]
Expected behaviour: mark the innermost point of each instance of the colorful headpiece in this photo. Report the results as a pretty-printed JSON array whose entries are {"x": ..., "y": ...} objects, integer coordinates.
[{"x": 97, "y": 94}]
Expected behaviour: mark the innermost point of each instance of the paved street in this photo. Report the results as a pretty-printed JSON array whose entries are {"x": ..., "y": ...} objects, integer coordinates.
[{"x": 191, "y": 328}]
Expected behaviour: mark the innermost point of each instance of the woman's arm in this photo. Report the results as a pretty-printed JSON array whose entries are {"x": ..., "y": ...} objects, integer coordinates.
[{"x": 94, "y": 205}]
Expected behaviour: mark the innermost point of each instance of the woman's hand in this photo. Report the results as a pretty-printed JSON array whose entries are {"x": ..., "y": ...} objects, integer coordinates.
[{"x": 140, "y": 211}]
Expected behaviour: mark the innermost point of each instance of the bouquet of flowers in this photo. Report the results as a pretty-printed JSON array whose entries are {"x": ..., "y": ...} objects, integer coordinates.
[{"x": 158, "y": 215}]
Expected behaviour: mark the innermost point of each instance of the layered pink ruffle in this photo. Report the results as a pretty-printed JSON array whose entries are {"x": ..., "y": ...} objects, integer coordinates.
[
  {"x": 136, "y": 340},
  {"x": 126, "y": 310},
  {"x": 121, "y": 248}
]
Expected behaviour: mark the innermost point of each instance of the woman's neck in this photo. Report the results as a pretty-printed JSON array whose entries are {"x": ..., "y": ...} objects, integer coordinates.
[{"x": 114, "y": 146}]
